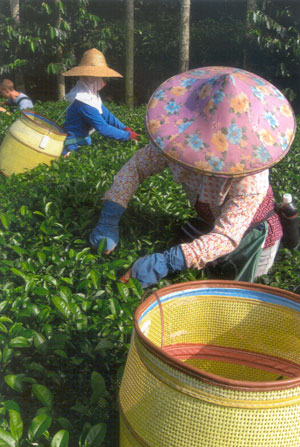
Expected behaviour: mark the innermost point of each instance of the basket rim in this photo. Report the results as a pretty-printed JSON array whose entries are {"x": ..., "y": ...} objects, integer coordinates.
[
  {"x": 25, "y": 113},
  {"x": 213, "y": 379}
]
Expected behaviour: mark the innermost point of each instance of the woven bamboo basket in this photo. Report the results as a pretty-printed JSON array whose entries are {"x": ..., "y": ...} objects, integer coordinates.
[
  {"x": 32, "y": 139},
  {"x": 213, "y": 364}
]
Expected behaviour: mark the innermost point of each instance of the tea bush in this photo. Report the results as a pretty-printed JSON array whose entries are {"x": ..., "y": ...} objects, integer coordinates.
[{"x": 66, "y": 319}]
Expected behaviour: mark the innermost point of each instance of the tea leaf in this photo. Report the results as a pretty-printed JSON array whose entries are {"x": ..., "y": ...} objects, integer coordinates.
[
  {"x": 43, "y": 394},
  {"x": 61, "y": 306},
  {"x": 96, "y": 435},
  {"x": 60, "y": 439},
  {"x": 98, "y": 384},
  {"x": 123, "y": 290},
  {"x": 39, "y": 426},
  {"x": 15, "y": 381},
  {"x": 5, "y": 221},
  {"x": 11, "y": 405},
  {"x": 15, "y": 424},
  {"x": 95, "y": 278},
  {"x": 19, "y": 342},
  {"x": 18, "y": 273},
  {"x": 114, "y": 306},
  {"x": 7, "y": 439}
]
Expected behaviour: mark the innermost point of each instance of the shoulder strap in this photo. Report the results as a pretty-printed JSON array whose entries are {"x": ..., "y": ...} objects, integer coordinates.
[
  {"x": 255, "y": 224},
  {"x": 21, "y": 99}
]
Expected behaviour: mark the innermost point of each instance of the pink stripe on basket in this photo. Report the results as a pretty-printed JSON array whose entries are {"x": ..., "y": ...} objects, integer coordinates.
[{"x": 186, "y": 351}]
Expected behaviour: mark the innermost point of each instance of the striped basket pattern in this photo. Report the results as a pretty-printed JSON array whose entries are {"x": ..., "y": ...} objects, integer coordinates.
[{"x": 213, "y": 363}]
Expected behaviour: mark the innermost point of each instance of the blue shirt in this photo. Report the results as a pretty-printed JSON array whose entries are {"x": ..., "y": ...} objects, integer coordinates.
[
  {"x": 22, "y": 101},
  {"x": 81, "y": 118}
]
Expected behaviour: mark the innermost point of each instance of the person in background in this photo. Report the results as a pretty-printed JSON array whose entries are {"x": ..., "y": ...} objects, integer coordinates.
[
  {"x": 87, "y": 112},
  {"x": 219, "y": 130},
  {"x": 13, "y": 97}
]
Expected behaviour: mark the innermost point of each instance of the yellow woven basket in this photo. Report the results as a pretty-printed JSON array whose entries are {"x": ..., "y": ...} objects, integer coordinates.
[
  {"x": 32, "y": 139},
  {"x": 213, "y": 364}
]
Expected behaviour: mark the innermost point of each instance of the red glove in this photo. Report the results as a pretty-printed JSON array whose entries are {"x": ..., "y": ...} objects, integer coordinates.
[{"x": 133, "y": 135}]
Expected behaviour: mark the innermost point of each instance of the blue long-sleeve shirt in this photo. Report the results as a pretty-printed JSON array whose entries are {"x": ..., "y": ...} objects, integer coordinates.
[{"x": 81, "y": 118}]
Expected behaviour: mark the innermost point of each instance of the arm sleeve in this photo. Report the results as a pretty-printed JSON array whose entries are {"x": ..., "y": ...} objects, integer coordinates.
[
  {"x": 144, "y": 163},
  {"x": 25, "y": 104},
  {"x": 235, "y": 218},
  {"x": 98, "y": 122},
  {"x": 111, "y": 119}
]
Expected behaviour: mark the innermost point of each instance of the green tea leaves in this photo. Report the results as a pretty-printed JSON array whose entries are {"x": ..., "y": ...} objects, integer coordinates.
[
  {"x": 38, "y": 427},
  {"x": 60, "y": 439},
  {"x": 43, "y": 394}
]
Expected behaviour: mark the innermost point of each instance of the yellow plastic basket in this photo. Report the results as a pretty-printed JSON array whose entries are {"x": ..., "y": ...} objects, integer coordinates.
[
  {"x": 213, "y": 364},
  {"x": 32, "y": 139}
]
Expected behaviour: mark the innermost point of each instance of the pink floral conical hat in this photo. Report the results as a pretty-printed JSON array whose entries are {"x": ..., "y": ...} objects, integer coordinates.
[{"x": 221, "y": 121}]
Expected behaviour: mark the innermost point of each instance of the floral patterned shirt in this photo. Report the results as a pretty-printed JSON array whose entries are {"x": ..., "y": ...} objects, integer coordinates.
[{"x": 233, "y": 202}]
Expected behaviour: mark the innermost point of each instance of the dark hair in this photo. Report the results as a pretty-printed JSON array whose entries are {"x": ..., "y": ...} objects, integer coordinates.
[{"x": 7, "y": 84}]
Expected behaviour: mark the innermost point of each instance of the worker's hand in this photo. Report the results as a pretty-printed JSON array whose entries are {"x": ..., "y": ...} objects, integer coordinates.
[
  {"x": 125, "y": 278},
  {"x": 107, "y": 226},
  {"x": 2, "y": 109},
  {"x": 133, "y": 135},
  {"x": 150, "y": 269}
]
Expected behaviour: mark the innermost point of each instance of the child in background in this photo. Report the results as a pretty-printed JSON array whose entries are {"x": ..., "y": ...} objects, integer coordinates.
[{"x": 13, "y": 97}]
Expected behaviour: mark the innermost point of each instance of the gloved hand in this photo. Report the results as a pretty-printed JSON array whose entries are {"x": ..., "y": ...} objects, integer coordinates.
[
  {"x": 150, "y": 269},
  {"x": 107, "y": 226},
  {"x": 133, "y": 135}
]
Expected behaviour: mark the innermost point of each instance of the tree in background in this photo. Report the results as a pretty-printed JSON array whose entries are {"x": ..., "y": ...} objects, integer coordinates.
[
  {"x": 15, "y": 15},
  {"x": 184, "y": 39},
  {"x": 129, "y": 66},
  {"x": 69, "y": 32},
  {"x": 251, "y": 8},
  {"x": 52, "y": 36},
  {"x": 61, "y": 88}
]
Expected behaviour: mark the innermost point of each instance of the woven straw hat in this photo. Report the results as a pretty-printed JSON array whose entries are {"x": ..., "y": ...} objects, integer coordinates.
[
  {"x": 220, "y": 121},
  {"x": 92, "y": 63}
]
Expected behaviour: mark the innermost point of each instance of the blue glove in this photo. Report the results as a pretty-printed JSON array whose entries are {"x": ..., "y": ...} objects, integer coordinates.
[
  {"x": 150, "y": 269},
  {"x": 107, "y": 226}
]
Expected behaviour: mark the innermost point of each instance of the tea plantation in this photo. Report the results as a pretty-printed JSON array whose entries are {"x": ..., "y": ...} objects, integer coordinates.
[{"x": 65, "y": 318}]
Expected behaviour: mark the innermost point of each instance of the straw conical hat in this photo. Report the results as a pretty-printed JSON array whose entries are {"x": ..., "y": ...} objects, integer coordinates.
[
  {"x": 92, "y": 63},
  {"x": 221, "y": 121}
]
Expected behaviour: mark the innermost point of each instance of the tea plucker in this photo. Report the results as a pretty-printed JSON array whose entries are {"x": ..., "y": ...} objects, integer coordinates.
[
  {"x": 13, "y": 97},
  {"x": 87, "y": 112},
  {"x": 219, "y": 130}
]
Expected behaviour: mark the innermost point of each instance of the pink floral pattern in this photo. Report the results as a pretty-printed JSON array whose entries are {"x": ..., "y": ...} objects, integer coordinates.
[
  {"x": 233, "y": 202},
  {"x": 220, "y": 121}
]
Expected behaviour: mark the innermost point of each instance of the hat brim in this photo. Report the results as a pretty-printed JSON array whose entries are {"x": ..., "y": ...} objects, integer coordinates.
[
  {"x": 220, "y": 121},
  {"x": 88, "y": 70}
]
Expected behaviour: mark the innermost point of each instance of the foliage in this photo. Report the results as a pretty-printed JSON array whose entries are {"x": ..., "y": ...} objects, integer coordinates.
[
  {"x": 66, "y": 319},
  {"x": 53, "y": 34},
  {"x": 53, "y": 25},
  {"x": 275, "y": 33},
  {"x": 50, "y": 38},
  {"x": 217, "y": 42},
  {"x": 285, "y": 178}
]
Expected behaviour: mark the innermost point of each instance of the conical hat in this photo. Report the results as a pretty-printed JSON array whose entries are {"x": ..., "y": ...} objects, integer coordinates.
[
  {"x": 221, "y": 121},
  {"x": 92, "y": 63}
]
